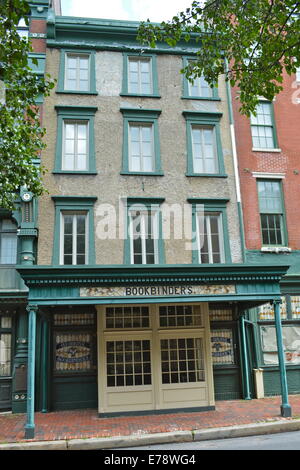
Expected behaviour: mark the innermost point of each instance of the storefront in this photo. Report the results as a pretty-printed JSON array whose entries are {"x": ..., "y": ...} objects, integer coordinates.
[{"x": 136, "y": 339}]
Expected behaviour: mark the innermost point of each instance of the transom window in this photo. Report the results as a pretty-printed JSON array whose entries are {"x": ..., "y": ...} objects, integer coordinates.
[
  {"x": 180, "y": 316},
  {"x": 204, "y": 149},
  {"x": 182, "y": 360},
  {"x": 262, "y": 127},
  {"x": 210, "y": 237},
  {"x": 140, "y": 76},
  {"x": 271, "y": 212},
  {"x": 127, "y": 317},
  {"x": 141, "y": 148},
  {"x": 128, "y": 363},
  {"x": 8, "y": 242},
  {"x": 73, "y": 238},
  {"x": 75, "y": 145},
  {"x": 77, "y": 72},
  {"x": 144, "y": 236}
]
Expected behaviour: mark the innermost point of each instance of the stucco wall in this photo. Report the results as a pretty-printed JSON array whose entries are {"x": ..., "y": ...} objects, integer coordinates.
[{"x": 108, "y": 185}]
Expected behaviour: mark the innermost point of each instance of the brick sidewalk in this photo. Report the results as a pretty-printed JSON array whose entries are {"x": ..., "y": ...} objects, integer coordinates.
[{"x": 85, "y": 423}]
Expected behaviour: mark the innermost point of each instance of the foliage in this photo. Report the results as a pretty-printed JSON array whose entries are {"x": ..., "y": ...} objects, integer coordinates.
[
  {"x": 21, "y": 134},
  {"x": 252, "y": 42}
]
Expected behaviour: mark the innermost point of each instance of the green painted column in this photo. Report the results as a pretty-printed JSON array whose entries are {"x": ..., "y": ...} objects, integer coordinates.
[
  {"x": 286, "y": 410},
  {"x": 45, "y": 356},
  {"x": 245, "y": 359},
  {"x": 30, "y": 426}
]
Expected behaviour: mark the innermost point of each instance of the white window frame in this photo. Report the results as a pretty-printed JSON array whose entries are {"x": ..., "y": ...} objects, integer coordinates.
[
  {"x": 204, "y": 158},
  {"x": 74, "y": 236},
  {"x": 155, "y": 235},
  {"x": 207, "y": 215},
  {"x": 257, "y": 125},
  {"x": 138, "y": 61},
  {"x": 75, "y": 124},
  {"x": 141, "y": 125},
  {"x": 77, "y": 73}
]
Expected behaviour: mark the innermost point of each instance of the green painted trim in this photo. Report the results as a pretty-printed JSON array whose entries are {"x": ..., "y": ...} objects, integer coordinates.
[
  {"x": 274, "y": 132},
  {"x": 203, "y": 118},
  {"x": 185, "y": 86},
  {"x": 71, "y": 203},
  {"x": 211, "y": 205},
  {"x": 149, "y": 116},
  {"x": 61, "y": 76},
  {"x": 149, "y": 204},
  {"x": 155, "y": 89},
  {"x": 76, "y": 113}
]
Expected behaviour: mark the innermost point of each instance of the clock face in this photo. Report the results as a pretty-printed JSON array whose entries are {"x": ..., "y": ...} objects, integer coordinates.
[{"x": 26, "y": 197}]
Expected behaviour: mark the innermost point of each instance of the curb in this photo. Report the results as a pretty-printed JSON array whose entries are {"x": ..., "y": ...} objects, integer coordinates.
[{"x": 119, "y": 442}]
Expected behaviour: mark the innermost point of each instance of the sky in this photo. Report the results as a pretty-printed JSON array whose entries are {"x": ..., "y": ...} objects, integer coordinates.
[{"x": 133, "y": 10}]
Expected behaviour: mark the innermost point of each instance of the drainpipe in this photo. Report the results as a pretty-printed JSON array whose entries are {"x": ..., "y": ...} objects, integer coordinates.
[
  {"x": 286, "y": 410},
  {"x": 235, "y": 164},
  {"x": 30, "y": 426},
  {"x": 245, "y": 359}
]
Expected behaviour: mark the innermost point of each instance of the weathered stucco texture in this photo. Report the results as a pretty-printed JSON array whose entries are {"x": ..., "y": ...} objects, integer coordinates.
[{"x": 108, "y": 185}]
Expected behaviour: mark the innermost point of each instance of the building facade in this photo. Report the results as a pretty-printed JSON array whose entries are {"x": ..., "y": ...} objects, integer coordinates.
[
  {"x": 268, "y": 153},
  {"x": 137, "y": 290}
]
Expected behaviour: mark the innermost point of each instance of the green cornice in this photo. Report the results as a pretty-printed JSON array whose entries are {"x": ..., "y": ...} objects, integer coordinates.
[
  {"x": 102, "y": 34},
  {"x": 62, "y": 276}
]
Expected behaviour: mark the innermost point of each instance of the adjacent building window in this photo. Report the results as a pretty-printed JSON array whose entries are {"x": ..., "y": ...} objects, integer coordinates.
[
  {"x": 75, "y": 145},
  {"x": 263, "y": 127},
  {"x": 204, "y": 148},
  {"x": 8, "y": 242},
  {"x": 74, "y": 242},
  {"x": 210, "y": 231},
  {"x": 298, "y": 74},
  {"x": 77, "y": 72},
  {"x": 271, "y": 212},
  {"x": 141, "y": 148},
  {"x": 140, "y": 75},
  {"x": 74, "y": 235}
]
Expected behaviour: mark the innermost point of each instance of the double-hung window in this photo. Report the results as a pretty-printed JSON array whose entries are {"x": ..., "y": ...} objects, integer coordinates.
[
  {"x": 210, "y": 231},
  {"x": 74, "y": 237},
  {"x": 263, "y": 127},
  {"x": 77, "y": 72},
  {"x": 197, "y": 87},
  {"x": 271, "y": 209},
  {"x": 75, "y": 145},
  {"x": 74, "y": 242},
  {"x": 8, "y": 242},
  {"x": 144, "y": 234},
  {"x": 140, "y": 75},
  {"x": 141, "y": 149},
  {"x": 204, "y": 148}
]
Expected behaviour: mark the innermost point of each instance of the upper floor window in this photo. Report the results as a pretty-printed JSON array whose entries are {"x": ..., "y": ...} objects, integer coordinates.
[
  {"x": 272, "y": 217},
  {"x": 77, "y": 72},
  {"x": 298, "y": 74},
  {"x": 75, "y": 145},
  {"x": 141, "y": 149},
  {"x": 263, "y": 127},
  {"x": 204, "y": 148},
  {"x": 197, "y": 87},
  {"x": 140, "y": 75},
  {"x": 8, "y": 242}
]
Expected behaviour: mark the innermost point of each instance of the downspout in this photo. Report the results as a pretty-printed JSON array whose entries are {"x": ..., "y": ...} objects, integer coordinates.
[
  {"x": 245, "y": 358},
  {"x": 236, "y": 170}
]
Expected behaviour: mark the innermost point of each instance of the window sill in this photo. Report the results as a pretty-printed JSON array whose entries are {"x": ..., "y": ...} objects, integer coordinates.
[
  {"x": 76, "y": 92},
  {"x": 275, "y": 249},
  {"x": 204, "y": 98},
  {"x": 140, "y": 95},
  {"x": 209, "y": 175},
  {"x": 65, "y": 172},
  {"x": 254, "y": 149},
  {"x": 140, "y": 173}
]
